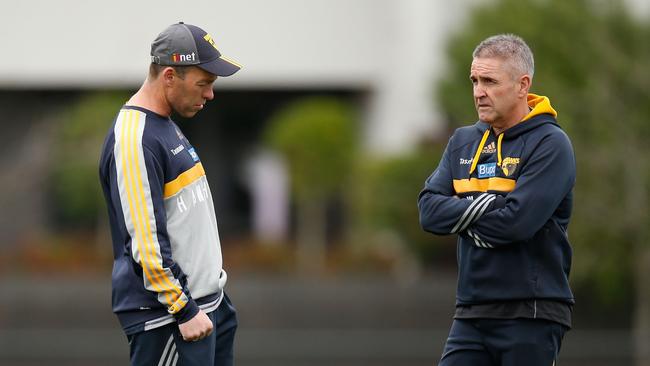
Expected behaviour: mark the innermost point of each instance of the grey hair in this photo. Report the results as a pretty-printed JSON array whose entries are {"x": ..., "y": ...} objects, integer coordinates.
[{"x": 508, "y": 47}]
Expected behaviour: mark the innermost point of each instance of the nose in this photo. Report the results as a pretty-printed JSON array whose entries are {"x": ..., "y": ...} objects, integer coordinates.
[
  {"x": 479, "y": 91},
  {"x": 209, "y": 93}
]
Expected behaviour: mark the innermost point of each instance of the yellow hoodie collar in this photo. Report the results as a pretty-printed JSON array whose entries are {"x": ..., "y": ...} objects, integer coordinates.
[{"x": 539, "y": 104}]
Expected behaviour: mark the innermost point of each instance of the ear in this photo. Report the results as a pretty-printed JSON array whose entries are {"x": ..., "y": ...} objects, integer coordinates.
[
  {"x": 524, "y": 85},
  {"x": 168, "y": 74}
]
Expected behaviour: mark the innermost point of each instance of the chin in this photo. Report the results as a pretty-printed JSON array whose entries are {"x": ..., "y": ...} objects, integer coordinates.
[
  {"x": 486, "y": 119},
  {"x": 187, "y": 114}
]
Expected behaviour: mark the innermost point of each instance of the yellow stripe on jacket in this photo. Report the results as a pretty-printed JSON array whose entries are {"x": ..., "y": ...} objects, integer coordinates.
[
  {"x": 484, "y": 185},
  {"x": 183, "y": 180},
  {"x": 140, "y": 216}
]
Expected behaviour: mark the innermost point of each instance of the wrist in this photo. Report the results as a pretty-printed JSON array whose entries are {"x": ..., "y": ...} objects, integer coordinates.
[{"x": 188, "y": 312}]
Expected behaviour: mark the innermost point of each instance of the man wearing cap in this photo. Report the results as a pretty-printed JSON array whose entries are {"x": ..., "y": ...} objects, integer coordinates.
[{"x": 168, "y": 281}]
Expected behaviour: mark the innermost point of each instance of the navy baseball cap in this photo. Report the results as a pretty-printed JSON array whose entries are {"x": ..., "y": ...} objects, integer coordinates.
[{"x": 188, "y": 45}]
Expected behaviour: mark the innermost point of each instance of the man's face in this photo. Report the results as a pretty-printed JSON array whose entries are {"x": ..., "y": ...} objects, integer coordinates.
[
  {"x": 496, "y": 91},
  {"x": 187, "y": 95}
]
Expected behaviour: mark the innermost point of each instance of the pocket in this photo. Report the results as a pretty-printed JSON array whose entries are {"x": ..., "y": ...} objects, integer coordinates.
[{"x": 227, "y": 301}]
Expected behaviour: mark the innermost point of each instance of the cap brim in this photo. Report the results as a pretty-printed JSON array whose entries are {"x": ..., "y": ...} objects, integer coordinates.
[{"x": 221, "y": 67}]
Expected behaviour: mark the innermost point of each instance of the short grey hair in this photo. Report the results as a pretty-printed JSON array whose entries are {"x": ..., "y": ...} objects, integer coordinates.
[{"x": 508, "y": 47}]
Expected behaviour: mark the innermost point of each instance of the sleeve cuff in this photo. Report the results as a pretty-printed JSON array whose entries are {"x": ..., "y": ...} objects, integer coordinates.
[{"x": 187, "y": 312}]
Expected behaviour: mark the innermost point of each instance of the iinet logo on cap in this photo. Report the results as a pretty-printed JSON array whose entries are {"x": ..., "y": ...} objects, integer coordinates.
[{"x": 178, "y": 57}]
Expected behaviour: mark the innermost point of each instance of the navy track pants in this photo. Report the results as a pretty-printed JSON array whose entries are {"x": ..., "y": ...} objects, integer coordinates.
[
  {"x": 165, "y": 346},
  {"x": 503, "y": 342}
]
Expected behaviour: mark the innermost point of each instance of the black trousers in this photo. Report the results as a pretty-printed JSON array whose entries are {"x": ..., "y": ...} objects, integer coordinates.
[
  {"x": 503, "y": 342},
  {"x": 165, "y": 346}
]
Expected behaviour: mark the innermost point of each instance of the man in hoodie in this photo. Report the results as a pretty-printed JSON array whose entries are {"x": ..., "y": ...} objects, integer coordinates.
[
  {"x": 504, "y": 186},
  {"x": 168, "y": 281}
]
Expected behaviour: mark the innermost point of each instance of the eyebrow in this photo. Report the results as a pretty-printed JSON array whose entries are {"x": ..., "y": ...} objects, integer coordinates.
[{"x": 482, "y": 77}]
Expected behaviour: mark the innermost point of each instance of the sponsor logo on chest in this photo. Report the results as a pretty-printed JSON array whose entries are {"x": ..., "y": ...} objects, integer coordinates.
[
  {"x": 487, "y": 170},
  {"x": 509, "y": 165},
  {"x": 465, "y": 161},
  {"x": 193, "y": 154},
  {"x": 177, "y": 149},
  {"x": 490, "y": 148}
]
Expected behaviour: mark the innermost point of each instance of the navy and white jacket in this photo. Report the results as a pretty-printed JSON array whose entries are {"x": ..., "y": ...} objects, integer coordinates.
[
  {"x": 167, "y": 254},
  {"x": 508, "y": 197}
]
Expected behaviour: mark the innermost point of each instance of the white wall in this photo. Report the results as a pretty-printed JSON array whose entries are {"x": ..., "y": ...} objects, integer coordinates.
[{"x": 280, "y": 42}]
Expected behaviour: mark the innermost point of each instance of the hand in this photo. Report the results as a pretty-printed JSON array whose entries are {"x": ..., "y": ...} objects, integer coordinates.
[{"x": 197, "y": 328}]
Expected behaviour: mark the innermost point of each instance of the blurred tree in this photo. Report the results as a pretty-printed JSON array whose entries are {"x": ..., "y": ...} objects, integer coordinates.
[
  {"x": 592, "y": 61},
  {"x": 317, "y": 138},
  {"x": 77, "y": 197},
  {"x": 385, "y": 204}
]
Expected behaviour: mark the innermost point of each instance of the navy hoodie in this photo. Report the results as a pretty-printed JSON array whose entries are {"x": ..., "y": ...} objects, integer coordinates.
[{"x": 508, "y": 197}]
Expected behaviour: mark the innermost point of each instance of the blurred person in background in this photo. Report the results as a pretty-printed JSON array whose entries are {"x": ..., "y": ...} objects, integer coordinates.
[
  {"x": 168, "y": 281},
  {"x": 504, "y": 185}
]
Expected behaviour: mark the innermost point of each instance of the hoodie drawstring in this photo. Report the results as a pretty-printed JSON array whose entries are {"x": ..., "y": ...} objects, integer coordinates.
[
  {"x": 499, "y": 149},
  {"x": 480, "y": 148},
  {"x": 478, "y": 151}
]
